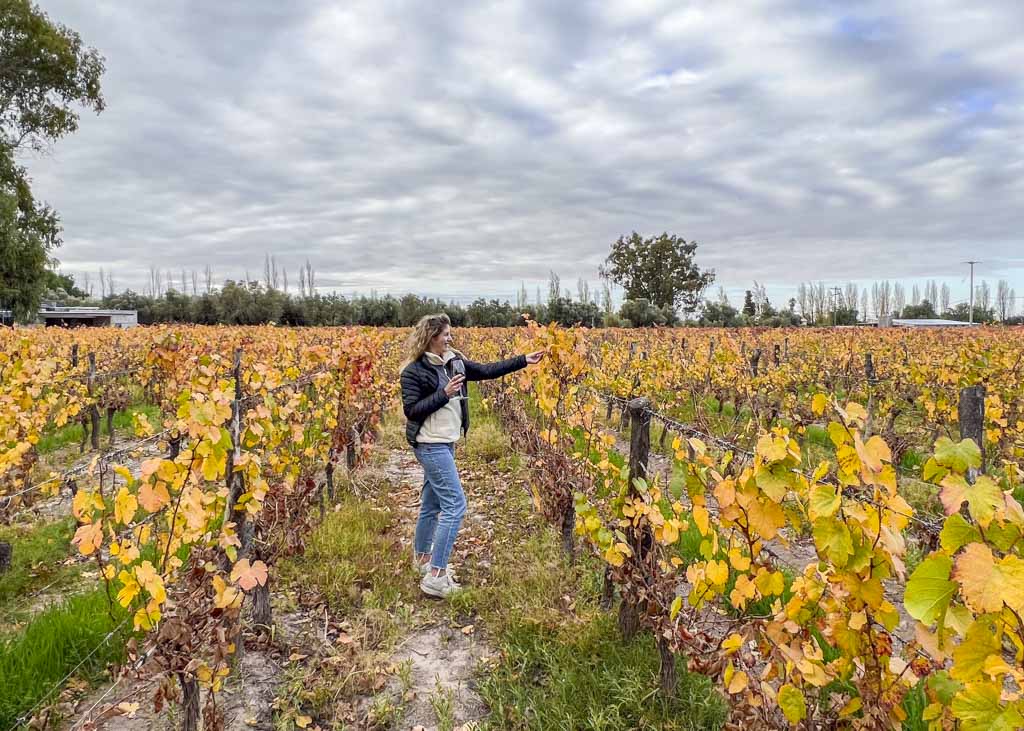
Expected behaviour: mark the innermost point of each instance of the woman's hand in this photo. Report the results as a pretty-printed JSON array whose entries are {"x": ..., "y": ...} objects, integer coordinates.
[
  {"x": 454, "y": 385},
  {"x": 535, "y": 357}
]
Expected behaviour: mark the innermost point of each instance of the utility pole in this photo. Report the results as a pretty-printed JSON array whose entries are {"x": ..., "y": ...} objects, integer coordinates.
[
  {"x": 837, "y": 295},
  {"x": 970, "y": 314}
]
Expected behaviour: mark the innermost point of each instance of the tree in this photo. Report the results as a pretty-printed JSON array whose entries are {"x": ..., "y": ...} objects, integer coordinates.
[
  {"x": 881, "y": 299},
  {"x": 44, "y": 72},
  {"x": 719, "y": 314},
  {"x": 899, "y": 298},
  {"x": 62, "y": 287},
  {"x": 660, "y": 270},
  {"x": 1004, "y": 300},
  {"x": 643, "y": 313},
  {"x": 803, "y": 299},
  {"x": 983, "y": 295},
  {"x": 922, "y": 311},
  {"x": 962, "y": 313},
  {"x": 749, "y": 308}
]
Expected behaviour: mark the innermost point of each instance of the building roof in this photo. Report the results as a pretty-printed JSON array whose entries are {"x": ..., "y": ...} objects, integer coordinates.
[
  {"x": 83, "y": 312},
  {"x": 930, "y": 323}
]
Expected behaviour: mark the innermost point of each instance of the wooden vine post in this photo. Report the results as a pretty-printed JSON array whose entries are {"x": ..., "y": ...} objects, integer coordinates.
[
  {"x": 94, "y": 409},
  {"x": 869, "y": 374},
  {"x": 639, "y": 450},
  {"x": 971, "y": 412},
  {"x": 5, "y": 556}
]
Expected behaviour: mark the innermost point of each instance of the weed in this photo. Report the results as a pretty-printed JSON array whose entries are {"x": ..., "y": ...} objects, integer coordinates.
[
  {"x": 34, "y": 660},
  {"x": 443, "y": 703},
  {"x": 36, "y": 561}
]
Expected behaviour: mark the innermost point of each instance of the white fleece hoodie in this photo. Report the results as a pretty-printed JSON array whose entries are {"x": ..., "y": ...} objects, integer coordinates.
[{"x": 444, "y": 426}]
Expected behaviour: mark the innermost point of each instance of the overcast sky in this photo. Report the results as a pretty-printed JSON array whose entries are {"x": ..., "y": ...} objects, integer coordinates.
[{"x": 459, "y": 148}]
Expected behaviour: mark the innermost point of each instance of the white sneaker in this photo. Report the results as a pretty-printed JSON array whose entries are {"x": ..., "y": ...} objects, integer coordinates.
[
  {"x": 422, "y": 567},
  {"x": 438, "y": 586}
]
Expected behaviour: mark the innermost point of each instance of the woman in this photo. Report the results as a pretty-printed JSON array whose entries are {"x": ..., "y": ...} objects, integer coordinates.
[{"x": 437, "y": 409}]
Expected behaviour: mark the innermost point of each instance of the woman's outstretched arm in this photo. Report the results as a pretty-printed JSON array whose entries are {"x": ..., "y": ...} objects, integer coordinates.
[{"x": 484, "y": 371}]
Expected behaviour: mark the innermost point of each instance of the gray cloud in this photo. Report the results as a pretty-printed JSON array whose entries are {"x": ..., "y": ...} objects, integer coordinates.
[{"x": 461, "y": 148}]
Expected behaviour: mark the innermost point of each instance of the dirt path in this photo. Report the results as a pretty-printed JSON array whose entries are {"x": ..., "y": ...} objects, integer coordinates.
[{"x": 439, "y": 688}]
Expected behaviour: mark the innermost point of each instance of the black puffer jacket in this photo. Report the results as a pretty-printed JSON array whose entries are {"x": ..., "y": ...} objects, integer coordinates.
[{"x": 423, "y": 393}]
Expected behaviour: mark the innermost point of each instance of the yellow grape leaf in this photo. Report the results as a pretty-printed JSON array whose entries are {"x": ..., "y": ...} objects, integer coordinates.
[
  {"x": 732, "y": 643},
  {"x": 838, "y": 433},
  {"x": 147, "y": 617},
  {"x": 702, "y": 518},
  {"x": 213, "y": 467},
  {"x": 739, "y": 561},
  {"x": 770, "y": 583},
  {"x": 738, "y": 683},
  {"x": 985, "y": 584},
  {"x": 832, "y": 538},
  {"x": 717, "y": 572},
  {"x": 303, "y": 721},
  {"x": 858, "y": 620},
  {"x": 824, "y": 502},
  {"x": 247, "y": 575},
  {"x": 852, "y": 706},
  {"x": 85, "y": 502},
  {"x": 149, "y": 466},
  {"x": 772, "y": 449},
  {"x": 151, "y": 581},
  {"x": 873, "y": 454},
  {"x": 677, "y": 604},
  {"x": 125, "y": 506},
  {"x": 792, "y": 703},
  {"x": 725, "y": 493},
  {"x": 614, "y": 557},
  {"x": 89, "y": 537},
  {"x": 856, "y": 412},
  {"x": 743, "y": 592},
  {"x": 153, "y": 497},
  {"x": 226, "y": 596},
  {"x": 766, "y": 518},
  {"x": 129, "y": 589},
  {"x": 669, "y": 532},
  {"x": 818, "y": 404},
  {"x": 129, "y": 478},
  {"x": 980, "y": 707},
  {"x": 970, "y": 655},
  {"x": 983, "y": 498}
]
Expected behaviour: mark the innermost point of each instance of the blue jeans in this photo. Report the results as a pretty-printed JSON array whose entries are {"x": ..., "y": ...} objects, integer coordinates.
[{"x": 443, "y": 504}]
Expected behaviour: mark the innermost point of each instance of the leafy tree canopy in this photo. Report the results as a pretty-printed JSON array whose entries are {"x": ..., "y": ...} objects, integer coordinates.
[
  {"x": 659, "y": 269},
  {"x": 45, "y": 72}
]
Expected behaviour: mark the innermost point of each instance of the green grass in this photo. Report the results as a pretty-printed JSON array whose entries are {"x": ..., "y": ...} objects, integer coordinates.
[
  {"x": 55, "y": 439},
  {"x": 350, "y": 559},
  {"x": 585, "y": 677},
  {"x": 37, "y": 554},
  {"x": 914, "y": 703},
  {"x": 35, "y": 660}
]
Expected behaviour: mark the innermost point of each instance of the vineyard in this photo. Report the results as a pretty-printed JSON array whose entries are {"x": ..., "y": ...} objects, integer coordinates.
[{"x": 825, "y": 523}]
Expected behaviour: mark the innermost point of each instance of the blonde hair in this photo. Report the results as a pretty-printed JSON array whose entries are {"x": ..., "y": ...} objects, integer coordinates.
[{"x": 428, "y": 328}]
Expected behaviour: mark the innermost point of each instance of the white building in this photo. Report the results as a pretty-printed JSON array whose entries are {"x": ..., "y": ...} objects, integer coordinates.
[{"x": 88, "y": 317}]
